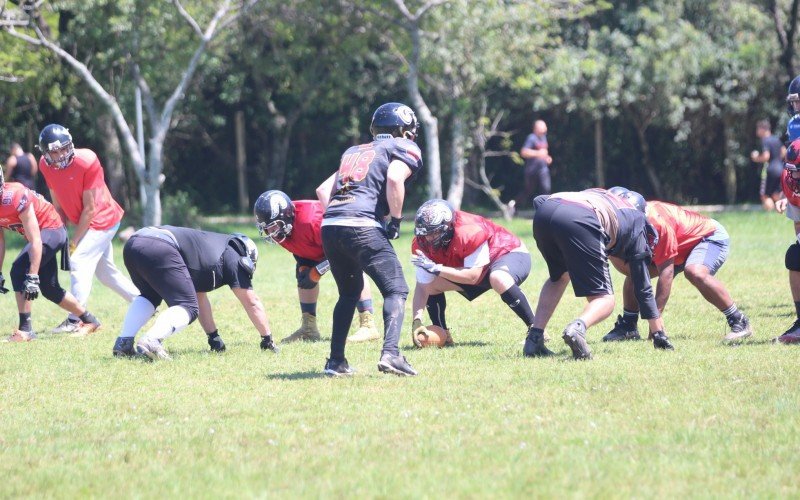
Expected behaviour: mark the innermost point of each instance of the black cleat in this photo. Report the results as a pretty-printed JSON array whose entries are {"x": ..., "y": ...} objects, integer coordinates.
[
  {"x": 740, "y": 330},
  {"x": 397, "y": 365},
  {"x": 123, "y": 347},
  {"x": 621, "y": 331},
  {"x": 575, "y": 337},
  {"x": 335, "y": 368},
  {"x": 534, "y": 345},
  {"x": 268, "y": 345},
  {"x": 790, "y": 336},
  {"x": 661, "y": 341}
]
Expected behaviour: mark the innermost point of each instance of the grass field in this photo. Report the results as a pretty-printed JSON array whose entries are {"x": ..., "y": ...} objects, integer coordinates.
[{"x": 706, "y": 420}]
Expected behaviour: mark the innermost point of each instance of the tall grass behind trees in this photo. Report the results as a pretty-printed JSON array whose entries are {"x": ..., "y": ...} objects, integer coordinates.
[{"x": 479, "y": 420}]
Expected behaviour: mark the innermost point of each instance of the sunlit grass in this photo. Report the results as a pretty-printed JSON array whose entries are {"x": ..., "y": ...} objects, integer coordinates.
[{"x": 479, "y": 421}]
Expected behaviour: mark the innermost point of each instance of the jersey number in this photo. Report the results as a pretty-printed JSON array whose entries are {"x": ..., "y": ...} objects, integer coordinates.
[{"x": 354, "y": 166}]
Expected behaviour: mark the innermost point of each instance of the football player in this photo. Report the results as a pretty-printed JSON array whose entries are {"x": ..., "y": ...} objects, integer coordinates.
[
  {"x": 687, "y": 242},
  {"x": 576, "y": 232},
  {"x": 180, "y": 266},
  {"x": 790, "y": 181},
  {"x": 295, "y": 226},
  {"x": 463, "y": 252},
  {"x": 80, "y": 195},
  {"x": 35, "y": 269},
  {"x": 368, "y": 187}
]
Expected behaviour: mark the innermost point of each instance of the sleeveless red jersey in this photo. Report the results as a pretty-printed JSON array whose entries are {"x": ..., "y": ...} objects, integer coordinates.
[
  {"x": 471, "y": 231},
  {"x": 16, "y": 199},
  {"x": 306, "y": 239},
  {"x": 791, "y": 196},
  {"x": 68, "y": 184},
  {"x": 679, "y": 231}
]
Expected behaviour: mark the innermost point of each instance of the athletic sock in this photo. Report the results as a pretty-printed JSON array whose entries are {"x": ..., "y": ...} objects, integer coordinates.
[
  {"x": 364, "y": 305},
  {"x": 308, "y": 307},
  {"x": 630, "y": 318},
  {"x": 88, "y": 317},
  {"x": 732, "y": 313},
  {"x": 25, "y": 322},
  {"x": 436, "y": 306},
  {"x": 516, "y": 300}
]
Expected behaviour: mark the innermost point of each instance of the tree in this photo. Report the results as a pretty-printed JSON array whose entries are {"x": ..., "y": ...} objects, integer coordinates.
[{"x": 140, "y": 51}]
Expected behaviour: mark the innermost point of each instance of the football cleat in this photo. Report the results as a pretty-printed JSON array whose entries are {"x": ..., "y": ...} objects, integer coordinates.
[
  {"x": 622, "y": 331},
  {"x": 575, "y": 337},
  {"x": 397, "y": 365},
  {"x": 67, "y": 326},
  {"x": 335, "y": 368},
  {"x": 534, "y": 345},
  {"x": 366, "y": 330},
  {"x": 123, "y": 347},
  {"x": 21, "y": 336},
  {"x": 268, "y": 345},
  {"x": 85, "y": 329},
  {"x": 740, "y": 330},
  {"x": 307, "y": 332},
  {"x": 790, "y": 336},
  {"x": 152, "y": 348}
]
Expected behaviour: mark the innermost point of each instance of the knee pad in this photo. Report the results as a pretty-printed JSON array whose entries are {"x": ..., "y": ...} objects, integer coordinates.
[{"x": 793, "y": 257}]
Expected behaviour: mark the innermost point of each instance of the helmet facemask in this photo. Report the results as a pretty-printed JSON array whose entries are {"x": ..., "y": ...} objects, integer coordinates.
[
  {"x": 434, "y": 224},
  {"x": 274, "y": 232}
]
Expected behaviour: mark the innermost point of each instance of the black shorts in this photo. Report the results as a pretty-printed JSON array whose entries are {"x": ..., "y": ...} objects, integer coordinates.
[
  {"x": 571, "y": 240},
  {"x": 159, "y": 272},
  {"x": 518, "y": 265},
  {"x": 53, "y": 240},
  {"x": 771, "y": 183}
]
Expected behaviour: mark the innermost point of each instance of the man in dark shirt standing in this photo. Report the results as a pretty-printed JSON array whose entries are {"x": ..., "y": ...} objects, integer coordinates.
[
  {"x": 21, "y": 167},
  {"x": 537, "y": 158},
  {"x": 576, "y": 233},
  {"x": 368, "y": 187},
  {"x": 772, "y": 153}
]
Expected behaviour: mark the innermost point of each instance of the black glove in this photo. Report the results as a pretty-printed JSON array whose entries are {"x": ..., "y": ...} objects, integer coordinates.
[
  {"x": 3, "y": 288},
  {"x": 304, "y": 279},
  {"x": 393, "y": 228},
  {"x": 31, "y": 286},
  {"x": 268, "y": 345},
  {"x": 215, "y": 341}
]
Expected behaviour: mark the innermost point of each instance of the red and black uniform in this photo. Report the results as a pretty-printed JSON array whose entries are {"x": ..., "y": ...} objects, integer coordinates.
[
  {"x": 305, "y": 241},
  {"x": 792, "y": 259},
  {"x": 354, "y": 238},
  {"x": 15, "y": 200},
  {"x": 470, "y": 233},
  {"x": 679, "y": 231}
]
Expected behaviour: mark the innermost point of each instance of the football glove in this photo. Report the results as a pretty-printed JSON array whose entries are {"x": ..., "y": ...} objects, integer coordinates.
[
  {"x": 3, "y": 288},
  {"x": 215, "y": 341},
  {"x": 393, "y": 228},
  {"x": 426, "y": 264},
  {"x": 30, "y": 287}
]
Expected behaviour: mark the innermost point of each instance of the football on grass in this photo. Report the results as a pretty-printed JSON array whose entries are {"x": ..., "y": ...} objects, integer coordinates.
[{"x": 438, "y": 337}]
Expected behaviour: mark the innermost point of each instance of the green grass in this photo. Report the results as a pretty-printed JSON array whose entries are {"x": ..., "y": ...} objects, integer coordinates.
[{"x": 480, "y": 421}]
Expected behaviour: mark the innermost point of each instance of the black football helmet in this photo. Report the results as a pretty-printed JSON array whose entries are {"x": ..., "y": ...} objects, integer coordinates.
[
  {"x": 793, "y": 97},
  {"x": 394, "y": 119},
  {"x": 274, "y": 214},
  {"x": 56, "y": 138},
  {"x": 434, "y": 224},
  {"x": 635, "y": 199},
  {"x": 792, "y": 164},
  {"x": 618, "y": 190}
]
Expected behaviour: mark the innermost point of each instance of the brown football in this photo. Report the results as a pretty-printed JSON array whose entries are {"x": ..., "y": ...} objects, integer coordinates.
[{"x": 438, "y": 337}]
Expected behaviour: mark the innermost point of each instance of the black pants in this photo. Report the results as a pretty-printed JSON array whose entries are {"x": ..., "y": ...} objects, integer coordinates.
[
  {"x": 159, "y": 272},
  {"x": 352, "y": 251},
  {"x": 53, "y": 240}
]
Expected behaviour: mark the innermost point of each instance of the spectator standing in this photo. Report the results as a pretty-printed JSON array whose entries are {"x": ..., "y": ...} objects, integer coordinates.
[{"x": 21, "y": 167}]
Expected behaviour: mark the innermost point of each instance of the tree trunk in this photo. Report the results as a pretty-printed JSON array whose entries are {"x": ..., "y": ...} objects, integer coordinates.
[
  {"x": 112, "y": 160},
  {"x": 599, "y": 169},
  {"x": 455, "y": 193},
  {"x": 241, "y": 163},
  {"x": 729, "y": 163},
  {"x": 641, "y": 133}
]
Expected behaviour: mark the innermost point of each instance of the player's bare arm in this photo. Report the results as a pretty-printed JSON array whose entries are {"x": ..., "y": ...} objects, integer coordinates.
[
  {"x": 395, "y": 187},
  {"x": 666, "y": 274},
  {"x": 58, "y": 208},
  {"x": 205, "y": 315},
  {"x": 2, "y": 247},
  {"x": 325, "y": 189},
  {"x": 87, "y": 214},
  {"x": 254, "y": 308}
]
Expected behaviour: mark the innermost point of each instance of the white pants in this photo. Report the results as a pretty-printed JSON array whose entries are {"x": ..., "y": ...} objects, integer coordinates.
[{"x": 95, "y": 256}]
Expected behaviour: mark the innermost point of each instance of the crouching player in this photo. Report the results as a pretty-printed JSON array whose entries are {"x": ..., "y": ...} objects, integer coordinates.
[
  {"x": 180, "y": 266},
  {"x": 296, "y": 226},
  {"x": 469, "y": 254},
  {"x": 790, "y": 182},
  {"x": 687, "y": 242},
  {"x": 35, "y": 269}
]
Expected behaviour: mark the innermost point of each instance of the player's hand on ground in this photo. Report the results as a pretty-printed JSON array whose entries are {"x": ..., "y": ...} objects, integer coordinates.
[{"x": 3, "y": 288}]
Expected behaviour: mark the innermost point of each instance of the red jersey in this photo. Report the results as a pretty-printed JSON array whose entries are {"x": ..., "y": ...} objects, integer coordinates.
[
  {"x": 470, "y": 232},
  {"x": 306, "y": 238},
  {"x": 679, "y": 231},
  {"x": 791, "y": 196},
  {"x": 16, "y": 199},
  {"x": 68, "y": 184}
]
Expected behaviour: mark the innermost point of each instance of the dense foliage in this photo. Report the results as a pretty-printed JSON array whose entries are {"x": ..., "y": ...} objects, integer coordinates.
[{"x": 673, "y": 88}]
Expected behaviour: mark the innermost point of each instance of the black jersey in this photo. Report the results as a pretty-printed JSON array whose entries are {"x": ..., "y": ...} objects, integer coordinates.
[
  {"x": 202, "y": 252},
  {"x": 360, "y": 188}
]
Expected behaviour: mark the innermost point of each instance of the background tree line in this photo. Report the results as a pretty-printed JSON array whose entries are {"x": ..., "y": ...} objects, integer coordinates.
[{"x": 242, "y": 96}]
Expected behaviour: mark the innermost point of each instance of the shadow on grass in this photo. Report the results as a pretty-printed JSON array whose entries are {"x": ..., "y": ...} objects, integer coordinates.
[{"x": 296, "y": 376}]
